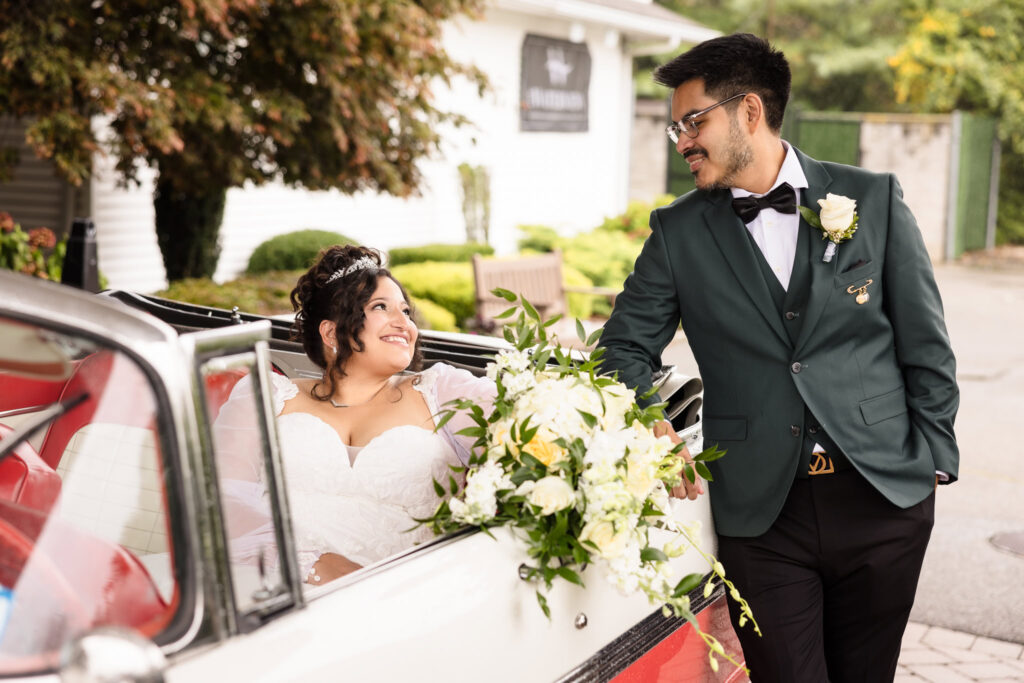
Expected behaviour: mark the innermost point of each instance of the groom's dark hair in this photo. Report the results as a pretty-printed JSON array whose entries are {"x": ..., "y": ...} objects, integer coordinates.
[{"x": 732, "y": 64}]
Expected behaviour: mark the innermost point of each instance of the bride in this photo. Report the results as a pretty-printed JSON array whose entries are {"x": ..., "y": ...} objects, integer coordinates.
[{"x": 359, "y": 444}]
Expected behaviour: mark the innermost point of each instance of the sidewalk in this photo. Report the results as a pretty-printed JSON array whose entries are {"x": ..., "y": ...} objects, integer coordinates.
[{"x": 939, "y": 655}]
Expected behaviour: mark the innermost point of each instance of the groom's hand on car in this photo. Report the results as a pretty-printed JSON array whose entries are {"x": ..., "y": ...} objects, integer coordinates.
[{"x": 686, "y": 489}]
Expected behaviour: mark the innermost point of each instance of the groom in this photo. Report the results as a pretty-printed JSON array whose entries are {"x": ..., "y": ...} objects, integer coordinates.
[{"x": 828, "y": 373}]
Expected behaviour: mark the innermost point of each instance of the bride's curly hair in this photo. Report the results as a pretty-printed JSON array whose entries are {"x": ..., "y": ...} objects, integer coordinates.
[{"x": 341, "y": 301}]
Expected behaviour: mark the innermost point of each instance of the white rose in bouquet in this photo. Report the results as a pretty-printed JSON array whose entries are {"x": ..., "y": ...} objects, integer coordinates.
[{"x": 552, "y": 494}]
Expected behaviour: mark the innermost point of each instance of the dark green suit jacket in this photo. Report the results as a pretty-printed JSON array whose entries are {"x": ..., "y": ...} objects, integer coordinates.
[{"x": 878, "y": 376}]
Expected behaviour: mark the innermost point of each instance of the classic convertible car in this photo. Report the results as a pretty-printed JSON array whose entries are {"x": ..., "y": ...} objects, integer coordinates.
[{"x": 115, "y": 557}]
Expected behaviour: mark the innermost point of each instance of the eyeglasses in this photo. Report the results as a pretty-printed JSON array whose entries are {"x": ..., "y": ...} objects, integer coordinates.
[{"x": 688, "y": 124}]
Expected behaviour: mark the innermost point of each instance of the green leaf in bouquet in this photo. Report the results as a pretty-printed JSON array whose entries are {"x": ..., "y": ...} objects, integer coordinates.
[
  {"x": 541, "y": 359},
  {"x": 445, "y": 417},
  {"x": 504, "y": 294},
  {"x": 527, "y": 338},
  {"x": 649, "y": 393},
  {"x": 532, "y": 462},
  {"x": 453, "y": 485},
  {"x": 591, "y": 420},
  {"x": 543, "y": 605},
  {"x": 594, "y": 336},
  {"x": 472, "y": 431},
  {"x": 508, "y": 334},
  {"x": 530, "y": 310},
  {"x": 650, "y": 509},
  {"x": 552, "y": 320},
  {"x": 653, "y": 555},
  {"x": 507, "y": 313},
  {"x": 579, "y": 554},
  {"x": 703, "y": 471},
  {"x": 581, "y": 333},
  {"x": 438, "y": 489},
  {"x": 569, "y": 575},
  {"x": 688, "y": 472},
  {"x": 710, "y": 454},
  {"x": 521, "y": 474},
  {"x": 686, "y": 584}
]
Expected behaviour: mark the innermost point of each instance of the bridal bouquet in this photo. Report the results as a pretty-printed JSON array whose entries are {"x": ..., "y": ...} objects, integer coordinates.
[{"x": 569, "y": 460}]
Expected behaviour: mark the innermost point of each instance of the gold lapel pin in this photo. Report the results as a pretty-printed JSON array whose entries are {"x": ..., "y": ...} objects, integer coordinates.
[{"x": 861, "y": 292}]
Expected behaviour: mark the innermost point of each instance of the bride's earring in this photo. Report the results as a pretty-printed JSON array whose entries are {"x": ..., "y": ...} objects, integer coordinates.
[{"x": 334, "y": 349}]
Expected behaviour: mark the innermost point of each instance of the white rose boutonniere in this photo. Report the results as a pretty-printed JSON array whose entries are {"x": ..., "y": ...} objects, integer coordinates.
[{"x": 837, "y": 221}]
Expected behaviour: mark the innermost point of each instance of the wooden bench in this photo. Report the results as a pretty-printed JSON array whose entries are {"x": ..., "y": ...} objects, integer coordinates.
[{"x": 538, "y": 278}]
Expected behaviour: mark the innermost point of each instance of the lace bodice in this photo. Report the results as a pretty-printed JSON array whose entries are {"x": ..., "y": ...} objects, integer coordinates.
[{"x": 361, "y": 502}]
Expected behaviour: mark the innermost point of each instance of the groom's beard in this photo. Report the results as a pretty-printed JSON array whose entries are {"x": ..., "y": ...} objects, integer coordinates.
[{"x": 736, "y": 156}]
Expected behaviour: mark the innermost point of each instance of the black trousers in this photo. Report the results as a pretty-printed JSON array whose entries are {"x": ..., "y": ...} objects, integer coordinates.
[{"x": 831, "y": 583}]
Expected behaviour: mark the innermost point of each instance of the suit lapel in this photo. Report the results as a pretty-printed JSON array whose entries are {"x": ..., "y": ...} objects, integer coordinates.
[
  {"x": 822, "y": 274},
  {"x": 727, "y": 230}
]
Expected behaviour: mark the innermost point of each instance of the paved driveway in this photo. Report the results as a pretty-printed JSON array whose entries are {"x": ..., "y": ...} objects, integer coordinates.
[{"x": 967, "y": 584}]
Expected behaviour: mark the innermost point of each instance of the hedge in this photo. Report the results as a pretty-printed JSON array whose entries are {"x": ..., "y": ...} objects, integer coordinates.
[
  {"x": 293, "y": 250},
  {"x": 431, "y": 316},
  {"x": 449, "y": 285},
  {"x": 266, "y": 294},
  {"x": 449, "y": 253}
]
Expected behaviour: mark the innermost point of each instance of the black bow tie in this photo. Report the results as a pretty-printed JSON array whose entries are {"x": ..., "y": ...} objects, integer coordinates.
[{"x": 782, "y": 199}]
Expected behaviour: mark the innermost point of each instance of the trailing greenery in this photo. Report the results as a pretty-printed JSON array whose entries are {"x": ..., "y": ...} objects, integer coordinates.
[
  {"x": 453, "y": 253},
  {"x": 449, "y": 285},
  {"x": 293, "y": 250}
]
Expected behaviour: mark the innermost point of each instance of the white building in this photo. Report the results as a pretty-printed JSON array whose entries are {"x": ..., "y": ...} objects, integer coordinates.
[{"x": 568, "y": 179}]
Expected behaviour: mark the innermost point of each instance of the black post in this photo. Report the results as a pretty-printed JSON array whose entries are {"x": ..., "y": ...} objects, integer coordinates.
[{"x": 80, "y": 263}]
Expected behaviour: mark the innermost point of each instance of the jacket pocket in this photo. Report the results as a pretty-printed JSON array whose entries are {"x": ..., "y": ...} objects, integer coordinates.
[
  {"x": 857, "y": 276},
  {"x": 725, "y": 428},
  {"x": 883, "y": 407}
]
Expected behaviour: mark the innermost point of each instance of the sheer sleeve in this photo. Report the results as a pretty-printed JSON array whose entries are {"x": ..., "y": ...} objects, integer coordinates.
[{"x": 443, "y": 383}]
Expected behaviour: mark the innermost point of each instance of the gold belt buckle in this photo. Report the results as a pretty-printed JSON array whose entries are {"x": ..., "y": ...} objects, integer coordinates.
[{"x": 821, "y": 464}]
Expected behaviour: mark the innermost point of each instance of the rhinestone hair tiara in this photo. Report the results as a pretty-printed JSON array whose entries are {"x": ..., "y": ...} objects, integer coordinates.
[{"x": 358, "y": 264}]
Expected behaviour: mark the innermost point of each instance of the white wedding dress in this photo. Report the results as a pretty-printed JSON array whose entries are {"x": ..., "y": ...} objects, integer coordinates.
[{"x": 358, "y": 502}]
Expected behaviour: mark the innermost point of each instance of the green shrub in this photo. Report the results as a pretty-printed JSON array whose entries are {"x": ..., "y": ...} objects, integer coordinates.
[
  {"x": 580, "y": 305},
  {"x": 264, "y": 295},
  {"x": 431, "y": 316},
  {"x": 538, "y": 238},
  {"x": 449, "y": 285},
  {"x": 449, "y": 253},
  {"x": 293, "y": 250},
  {"x": 635, "y": 222},
  {"x": 603, "y": 256}
]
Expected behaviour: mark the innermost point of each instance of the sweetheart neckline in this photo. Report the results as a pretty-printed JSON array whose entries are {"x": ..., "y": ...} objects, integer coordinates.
[{"x": 346, "y": 446}]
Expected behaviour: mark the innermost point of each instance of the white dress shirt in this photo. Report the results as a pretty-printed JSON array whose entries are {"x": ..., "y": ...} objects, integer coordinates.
[{"x": 775, "y": 233}]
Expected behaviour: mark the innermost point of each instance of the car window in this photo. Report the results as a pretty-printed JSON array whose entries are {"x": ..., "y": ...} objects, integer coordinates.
[
  {"x": 83, "y": 506},
  {"x": 241, "y": 444}
]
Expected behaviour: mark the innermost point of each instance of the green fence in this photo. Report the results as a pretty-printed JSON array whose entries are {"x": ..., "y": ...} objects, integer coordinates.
[{"x": 973, "y": 183}]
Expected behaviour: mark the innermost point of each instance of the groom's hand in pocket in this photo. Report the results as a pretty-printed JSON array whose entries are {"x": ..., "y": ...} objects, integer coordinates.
[{"x": 686, "y": 489}]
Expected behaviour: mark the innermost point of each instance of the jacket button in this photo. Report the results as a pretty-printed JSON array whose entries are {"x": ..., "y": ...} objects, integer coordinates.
[
  {"x": 794, "y": 430},
  {"x": 790, "y": 315},
  {"x": 796, "y": 367}
]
